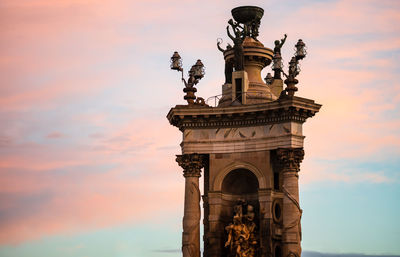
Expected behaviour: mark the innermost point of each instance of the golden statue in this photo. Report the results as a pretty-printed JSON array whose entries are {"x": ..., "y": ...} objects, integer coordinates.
[{"x": 241, "y": 233}]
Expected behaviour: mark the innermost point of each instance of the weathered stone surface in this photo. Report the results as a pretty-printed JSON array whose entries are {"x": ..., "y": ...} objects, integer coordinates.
[
  {"x": 243, "y": 139},
  {"x": 290, "y": 160},
  {"x": 250, "y": 147},
  {"x": 263, "y": 141},
  {"x": 192, "y": 165},
  {"x": 294, "y": 109}
]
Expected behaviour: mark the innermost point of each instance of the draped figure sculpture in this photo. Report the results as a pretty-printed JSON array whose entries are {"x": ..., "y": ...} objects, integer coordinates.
[{"x": 242, "y": 238}]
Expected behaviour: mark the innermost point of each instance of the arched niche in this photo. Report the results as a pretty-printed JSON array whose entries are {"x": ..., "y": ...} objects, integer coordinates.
[
  {"x": 239, "y": 187},
  {"x": 240, "y": 182},
  {"x": 218, "y": 180}
]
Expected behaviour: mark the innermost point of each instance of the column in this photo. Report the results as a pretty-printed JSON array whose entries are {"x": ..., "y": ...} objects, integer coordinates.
[
  {"x": 291, "y": 235},
  {"x": 191, "y": 164}
]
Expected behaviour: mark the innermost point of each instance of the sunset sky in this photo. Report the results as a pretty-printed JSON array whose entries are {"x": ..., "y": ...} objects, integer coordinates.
[{"x": 87, "y": 156}]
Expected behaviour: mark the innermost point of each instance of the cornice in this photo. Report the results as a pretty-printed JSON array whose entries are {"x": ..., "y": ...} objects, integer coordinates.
[{"x": 294, "y": 109}]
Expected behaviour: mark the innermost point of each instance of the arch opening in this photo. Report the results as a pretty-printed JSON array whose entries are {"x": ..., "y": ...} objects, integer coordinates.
[{"x": 239, "y": 182}]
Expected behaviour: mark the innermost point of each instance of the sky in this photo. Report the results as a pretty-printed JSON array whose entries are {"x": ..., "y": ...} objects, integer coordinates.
[{"x": 87, "y": 156}]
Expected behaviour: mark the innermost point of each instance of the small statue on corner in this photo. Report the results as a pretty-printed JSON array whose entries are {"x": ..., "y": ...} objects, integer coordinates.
[
  {"x": 228, "y": 63},
  {"x": 279, "y": 44}
]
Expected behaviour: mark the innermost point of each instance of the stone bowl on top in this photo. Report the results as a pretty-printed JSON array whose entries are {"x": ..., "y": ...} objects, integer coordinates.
[{"x": 246, "y": 14}]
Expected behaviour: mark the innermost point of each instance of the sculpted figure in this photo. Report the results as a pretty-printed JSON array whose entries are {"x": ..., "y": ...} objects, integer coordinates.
[
  {"x": 243, "y": 249},
  {"x": 228, "y": 46},
  {"x": 238, "y": 208},
  {"x": 228, "y": 63},
  {"x": 234, "y": 232},
  {"x": 236, "y": 26},
  {"x": 251, "y": 226},
  {"x": 255, "y": 25},
  {"x": 237, "y": 47},
  {"x": 279, "y": 44},
  {"x": 241, "y": 233}
]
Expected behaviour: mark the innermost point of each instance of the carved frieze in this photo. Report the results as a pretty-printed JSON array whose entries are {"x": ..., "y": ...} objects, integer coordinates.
[{"x": 246, "y": 139}]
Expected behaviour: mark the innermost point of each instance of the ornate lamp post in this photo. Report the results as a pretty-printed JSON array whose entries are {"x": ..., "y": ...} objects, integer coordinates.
[
  {"x": 196, "y": 73},
  {"x": 294, "y": 68}
]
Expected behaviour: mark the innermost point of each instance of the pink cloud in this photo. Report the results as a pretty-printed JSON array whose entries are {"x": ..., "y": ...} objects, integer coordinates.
[
  {"x": 110, "y": 202},
  {"x": 138, "y": 183},
  {"x": 124, "y": 172},
  {"x": 55, "y": 135}
]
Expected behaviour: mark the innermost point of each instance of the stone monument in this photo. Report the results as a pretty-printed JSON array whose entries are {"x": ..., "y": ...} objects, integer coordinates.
[{"x": 248, "y": 149}]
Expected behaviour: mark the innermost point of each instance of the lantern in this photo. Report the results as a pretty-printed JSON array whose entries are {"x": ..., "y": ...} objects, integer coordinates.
[
  {"x": 198, "y": 70},
  {"x": 300, "y": 50},
  {"x": 176, "y": 62}
]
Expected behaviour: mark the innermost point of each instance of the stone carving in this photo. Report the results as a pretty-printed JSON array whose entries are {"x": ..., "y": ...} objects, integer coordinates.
[
  {"x": 290, "y": 158},
  {"x": 191, "y": 164},
  {"x": 242, "y": 239}
]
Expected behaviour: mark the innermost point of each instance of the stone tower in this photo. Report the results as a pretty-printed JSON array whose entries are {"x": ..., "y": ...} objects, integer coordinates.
[{"x": 248, "y": 149}]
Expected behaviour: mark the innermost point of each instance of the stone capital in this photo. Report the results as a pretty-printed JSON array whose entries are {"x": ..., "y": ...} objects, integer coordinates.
[
  {"x": 290, "y": 158},
  {"x": 191, "y": 164}
]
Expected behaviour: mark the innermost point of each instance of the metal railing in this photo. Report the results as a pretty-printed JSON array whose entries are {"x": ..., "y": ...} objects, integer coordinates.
[{"x": 213, "y": 101}]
